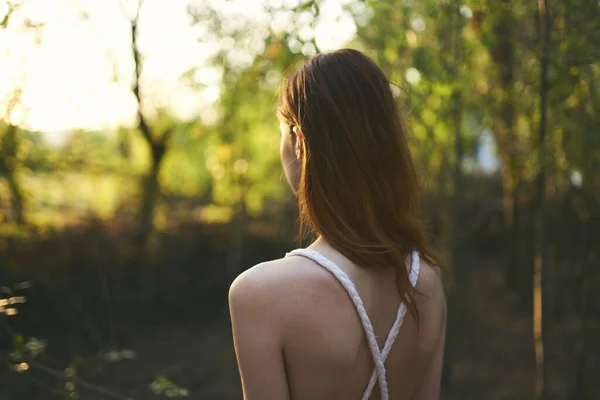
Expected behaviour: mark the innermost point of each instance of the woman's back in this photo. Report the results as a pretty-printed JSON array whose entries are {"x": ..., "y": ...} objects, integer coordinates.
[
  {"x": 346, "y": 155},
  {"x": 326, "y": 352}
]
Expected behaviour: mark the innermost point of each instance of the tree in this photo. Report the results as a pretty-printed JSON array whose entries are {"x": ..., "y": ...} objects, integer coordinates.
[
  {"x": 9, "y": 162},
  {"x": 157, "y": 144},
  {"x": 10, "y": 135},
  {"x": 243, "y": 157},
  {"x": 540, "y": 256}
]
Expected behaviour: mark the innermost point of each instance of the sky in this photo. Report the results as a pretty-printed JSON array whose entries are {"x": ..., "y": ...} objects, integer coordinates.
[{"x": 76, "y": 71}]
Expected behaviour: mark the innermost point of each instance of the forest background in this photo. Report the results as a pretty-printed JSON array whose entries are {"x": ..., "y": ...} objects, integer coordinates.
[{"x": 139, "y": 174}]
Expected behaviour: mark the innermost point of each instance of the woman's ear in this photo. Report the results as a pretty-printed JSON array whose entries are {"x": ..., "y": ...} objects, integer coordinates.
[{"x": 297, "y": 142}]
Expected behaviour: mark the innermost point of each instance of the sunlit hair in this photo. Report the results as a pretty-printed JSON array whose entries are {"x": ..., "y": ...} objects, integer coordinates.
[{"x": 359, "y": 187}]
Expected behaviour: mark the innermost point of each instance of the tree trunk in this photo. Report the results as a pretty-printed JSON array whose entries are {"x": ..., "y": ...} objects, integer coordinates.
[
  {"x": 8, "y": 167},
  {"x": 150, "y": 194},
  {"x": 455, "y": 305},
  {"x": 540, "y": 252},
  {"x": 9, "y": 148},
  {"x": 158, "y": 147},
  {"x": 503, "y": 55},
  {"x": 16, "y": 197},
  {"x": 516, "y": 246}
]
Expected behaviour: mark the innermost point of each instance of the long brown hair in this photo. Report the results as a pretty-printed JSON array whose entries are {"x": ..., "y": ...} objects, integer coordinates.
[{"x": 359, "y": 187}]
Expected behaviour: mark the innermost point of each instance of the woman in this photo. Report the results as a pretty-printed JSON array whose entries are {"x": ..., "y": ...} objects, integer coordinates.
[{"x": 361, "y": 311}]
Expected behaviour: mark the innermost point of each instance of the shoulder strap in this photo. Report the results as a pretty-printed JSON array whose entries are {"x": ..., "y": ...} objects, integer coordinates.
[
  {"x": 413, "y": 276},
  {"x": 347, "y": 283}
]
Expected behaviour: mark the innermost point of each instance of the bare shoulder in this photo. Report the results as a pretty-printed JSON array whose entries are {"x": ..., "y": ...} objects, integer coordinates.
[
  {"x": 430, "y": 281},
  {"x": 278, "y": 284},
  {"x": 431, "y": 305}
]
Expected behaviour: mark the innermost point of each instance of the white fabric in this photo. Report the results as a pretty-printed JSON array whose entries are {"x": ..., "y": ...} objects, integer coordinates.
[{"x": 379, "y": 357}]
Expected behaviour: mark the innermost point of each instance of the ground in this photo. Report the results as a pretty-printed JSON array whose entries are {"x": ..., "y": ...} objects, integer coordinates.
[
  {"x": 493, "y": 360},
  {"x": 492, "y": 354}
]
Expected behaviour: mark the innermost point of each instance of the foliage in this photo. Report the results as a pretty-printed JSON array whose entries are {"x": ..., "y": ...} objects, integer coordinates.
[
  {"x": 466, "y": 75},
  {"x": 163, "y": 385}
]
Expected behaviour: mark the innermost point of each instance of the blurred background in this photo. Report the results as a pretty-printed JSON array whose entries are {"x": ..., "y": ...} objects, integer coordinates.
[{"x": 139, "y": 174}]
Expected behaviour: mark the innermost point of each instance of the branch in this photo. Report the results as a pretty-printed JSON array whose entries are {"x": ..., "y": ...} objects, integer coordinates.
[
  {"x": 13, "y": 101},
  {"x": 316, "y": 15},
  {"x": 12, "y": 8},
  {"x": 139, "y": 7},
  {"x": 137, "y": 11},
  {"x": 137, "y": 59},
  {"x": 167, "y": 134}
]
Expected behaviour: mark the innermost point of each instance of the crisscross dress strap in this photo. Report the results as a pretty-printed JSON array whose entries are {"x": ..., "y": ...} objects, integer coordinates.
[
  {"x": 347, "y": 283},
  {"x": 379, "y": 374},
  {"x": 413, "y": 276}
]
